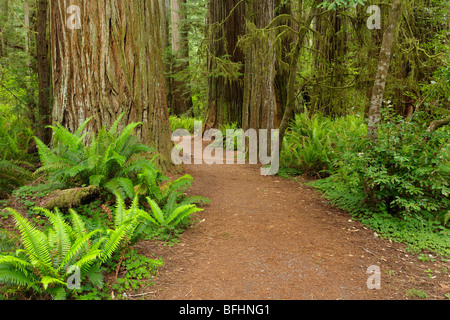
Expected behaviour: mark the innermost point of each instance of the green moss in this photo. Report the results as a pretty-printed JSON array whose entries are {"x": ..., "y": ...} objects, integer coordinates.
[{"x": 71, "y": 198}]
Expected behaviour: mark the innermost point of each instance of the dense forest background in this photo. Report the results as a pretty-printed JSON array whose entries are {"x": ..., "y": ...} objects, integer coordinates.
[{"x": 363, "y": 109}]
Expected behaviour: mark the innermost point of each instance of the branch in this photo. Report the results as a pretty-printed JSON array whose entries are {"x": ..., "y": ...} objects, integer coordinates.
[
  {"x": 425, "y": 99},
  {"x": 436, "y": 125}
]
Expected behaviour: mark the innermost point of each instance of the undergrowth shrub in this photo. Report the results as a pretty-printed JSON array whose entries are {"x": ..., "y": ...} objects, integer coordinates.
[
  {"x": 108, "y": 159},
  {"x": 47, "y": 257},
  {"x": 313, "y": 144},
  {"x": 112, "y": 160},
  {"x": 183, "y": 123},
  {"x": 15, "y": 162},
  {"x": 406, "y": 173},
  {"x": 398, "y": 186}
]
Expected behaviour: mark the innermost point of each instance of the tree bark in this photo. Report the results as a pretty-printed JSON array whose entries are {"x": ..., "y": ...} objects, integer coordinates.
[
  {"x": 44, "y": 71},
  {"x": 383, "y": 70},
  {"x": 112, "y": 65},
  {"x": 437, "y": 124},
  {"x": 4, "y": 16},
  {"x": 259, "y": 103},
  {"x": 225, "y": 97},
  {"x": 330, "y": 49}
]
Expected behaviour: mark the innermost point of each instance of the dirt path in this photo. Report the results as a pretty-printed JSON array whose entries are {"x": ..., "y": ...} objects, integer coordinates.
[{"x": 269, "y": 238}]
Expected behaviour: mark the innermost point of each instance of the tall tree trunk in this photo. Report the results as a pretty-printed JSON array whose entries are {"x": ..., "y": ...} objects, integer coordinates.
[
  {"x": 4, "y": 16},
  {"x": 282, "y": 72},
  {"x": 259, "y": 103},
  {"x": 383, "y": 70},
  {"x": 44, "y": 70},
  {"x": 225, "y": 96},
  {"x": 112, "y": 65},
  {"x": 291, "y": 90},
  {"x": 166, "y": 48},
  {"x": 330, "y": 49},
  {"x": 181, "y": 98}
]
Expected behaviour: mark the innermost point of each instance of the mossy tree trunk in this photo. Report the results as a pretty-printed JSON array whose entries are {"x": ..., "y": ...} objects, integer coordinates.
[
  {"x": 259, "y": 104},
  {"x": 111, "y": 65},
  {"x": 226, "y": 22},
  {"x": 383, "y": 70},
  {"x": 329, "y": 63}
]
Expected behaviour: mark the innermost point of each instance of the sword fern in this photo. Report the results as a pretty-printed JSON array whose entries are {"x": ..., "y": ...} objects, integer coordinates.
[
  {"x": 44, "y": 262},
  {"x": 107, "y": 159}
]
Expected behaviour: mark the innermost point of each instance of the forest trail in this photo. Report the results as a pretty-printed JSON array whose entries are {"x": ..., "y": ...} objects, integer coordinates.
[{"x": 267, "y": 238}]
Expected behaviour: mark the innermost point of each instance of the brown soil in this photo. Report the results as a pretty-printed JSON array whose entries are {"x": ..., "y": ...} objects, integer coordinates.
[{"x": 267, "y": 238}]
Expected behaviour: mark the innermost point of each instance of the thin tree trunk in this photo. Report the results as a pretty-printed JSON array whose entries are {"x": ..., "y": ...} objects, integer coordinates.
[
  {"x": 383, "y": 70},
  {"x": 44, "y": 70},
  {"x": 293, "y": 70},
  {"x": 112, "y": 65},
  {"x": 3, "y": 39}
]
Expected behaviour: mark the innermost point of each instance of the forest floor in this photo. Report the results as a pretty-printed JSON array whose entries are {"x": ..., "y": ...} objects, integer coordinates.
[{"x": 268, "y": 238}]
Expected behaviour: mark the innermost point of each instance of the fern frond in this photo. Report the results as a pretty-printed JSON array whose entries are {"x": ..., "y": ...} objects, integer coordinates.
[
  {"x": 15, "y": 277},
  {"x": 115, "y": 125},
  {"x": 180, "y": 213},
  {"x": 122, "y": 139},
  {"x": 79, "y": 247},
  {"x": 58, "y": 293},
  {"x": 179, "y": 185},
  {"x": 80, "y": 130},
  {"x": 122, "y": 186},
  {"x": 78, "y": 225},
  {"x": 195, "y": 200},
  {"x": 61, "y": 241},
  {"x": 157, "y": 212},
  {"x": 113, "y": 242},
  {"x": 16, "y": 263},
  {"x": 46, "y": 281},
  {"x": 91, "y": 257},
  {"x": 34, "y": 241},
  {"x": 120, "y": 211}
]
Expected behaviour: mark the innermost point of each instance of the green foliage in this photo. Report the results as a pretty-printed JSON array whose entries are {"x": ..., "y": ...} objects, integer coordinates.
[
  {"x": 109, "y": 160},
  {"x": 417, "y": 233},
  {"x": 194, "y": 74},
  {"x": 15, "y": 137},
  {"x": 336, "y": 4},
  {"x": 313, "y": 144},
  {"x": 9, "y": 241},
  {"x": 171, "y": 215},
  {"x": 407, "y": 172},
  {"x": 45, "y": 263},
  {"x": 400, "y": 186},
  {"x": 416, "y": 293},
  {"x": 183, "y": 123},
  {"x": 48, "y": 258},
  {"x": 14, "y": 159},
  {"x": 12, "y": 175},
  {"x": 138, "y": 271}
]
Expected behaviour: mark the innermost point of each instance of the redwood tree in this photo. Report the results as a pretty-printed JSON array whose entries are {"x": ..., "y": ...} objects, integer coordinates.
[
  {"x": 226, "y": 23},
  {"x": 259, "y": 105},
  {"x": 111, "y": 65}
]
